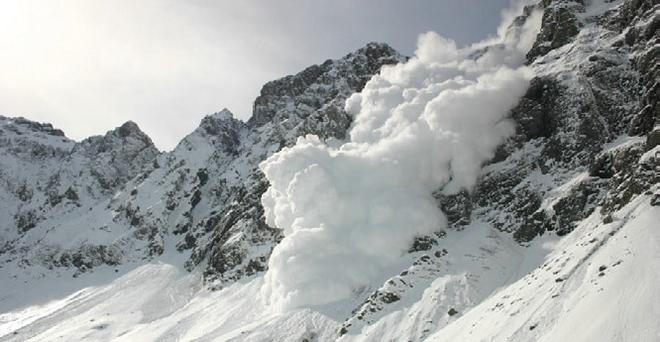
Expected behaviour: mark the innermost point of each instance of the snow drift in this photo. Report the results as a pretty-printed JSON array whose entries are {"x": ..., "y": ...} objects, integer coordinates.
[{"x": 348, "y": 211}]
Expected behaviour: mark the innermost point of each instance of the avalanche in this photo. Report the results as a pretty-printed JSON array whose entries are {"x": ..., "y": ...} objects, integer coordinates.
[{"x": 350, "y": 211}]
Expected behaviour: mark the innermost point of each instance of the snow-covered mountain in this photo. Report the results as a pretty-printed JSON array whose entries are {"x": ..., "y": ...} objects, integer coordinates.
[
  {"x": 546, "y": 232},
  {"x": 54, "y": 190}
]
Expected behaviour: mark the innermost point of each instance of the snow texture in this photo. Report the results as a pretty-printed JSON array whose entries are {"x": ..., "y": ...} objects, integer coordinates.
[{"x": 348, "y": 211}]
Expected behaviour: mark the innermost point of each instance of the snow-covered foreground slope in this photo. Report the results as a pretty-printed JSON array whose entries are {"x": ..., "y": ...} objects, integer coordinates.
[
  {"x": 599, "y": 284},
  {"x": 594, "y": 285},
  {"x": 158, "y": 301}
]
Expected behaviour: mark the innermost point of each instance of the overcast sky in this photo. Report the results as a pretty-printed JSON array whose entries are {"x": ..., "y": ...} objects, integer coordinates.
[{"x": 88, "y": 66}]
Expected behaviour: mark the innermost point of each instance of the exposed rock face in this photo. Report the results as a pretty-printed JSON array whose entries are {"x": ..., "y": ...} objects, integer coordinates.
[
  {"x": 536, "y": 114},
  {"x": 593, "y": 86},
  {"x": 560, "y": 25},
  {"x": 317, "y": 89}
]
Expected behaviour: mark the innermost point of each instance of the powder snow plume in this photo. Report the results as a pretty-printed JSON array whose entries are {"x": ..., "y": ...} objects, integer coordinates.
[{"x": 349, "y": 211}]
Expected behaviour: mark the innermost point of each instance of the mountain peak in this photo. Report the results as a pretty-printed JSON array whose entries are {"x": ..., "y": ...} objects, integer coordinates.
[
  {"x": 224, "y": 114},
  {"x": 302, "y": 93},
  {"x": 33, "y": 126},
  {"x": 219, "y": 129},
  {"x": 377, "y": 49},
  {"x": 217, "y": 122},
  {"x": 128, "y": 134},
  {"x": 128, "y": 128}
]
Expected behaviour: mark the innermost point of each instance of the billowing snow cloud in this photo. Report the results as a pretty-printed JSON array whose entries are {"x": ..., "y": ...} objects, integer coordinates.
[{"x": 349, "y": 211}]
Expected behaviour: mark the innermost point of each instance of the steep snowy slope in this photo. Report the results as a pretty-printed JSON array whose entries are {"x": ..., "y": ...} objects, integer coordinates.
[
  {"x": 599, "y": 285},
  {"x": 557, "y": 241},
  {"x": 54, "y": 192}
]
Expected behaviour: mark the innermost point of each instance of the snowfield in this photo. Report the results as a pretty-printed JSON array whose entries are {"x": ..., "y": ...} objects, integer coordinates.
[{"x": 593, "y": 285}]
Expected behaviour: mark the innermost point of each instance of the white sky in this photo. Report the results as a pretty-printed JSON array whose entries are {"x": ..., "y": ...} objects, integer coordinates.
[{"x": 87, "y": 66}]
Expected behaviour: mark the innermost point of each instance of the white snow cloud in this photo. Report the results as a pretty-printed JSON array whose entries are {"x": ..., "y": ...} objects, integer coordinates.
[{"x": 349, "y": 212}]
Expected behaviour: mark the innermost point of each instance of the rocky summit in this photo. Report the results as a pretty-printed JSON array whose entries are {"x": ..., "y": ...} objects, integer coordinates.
[{"x": 110, "y": 239}]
